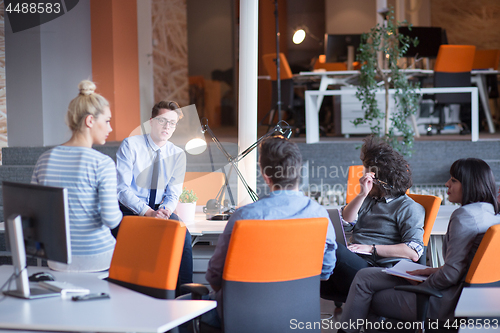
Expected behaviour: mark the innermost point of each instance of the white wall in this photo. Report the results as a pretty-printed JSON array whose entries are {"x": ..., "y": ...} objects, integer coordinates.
[
  {"x": 209, "y": 36},
  {"x": 44, "y": 65}
]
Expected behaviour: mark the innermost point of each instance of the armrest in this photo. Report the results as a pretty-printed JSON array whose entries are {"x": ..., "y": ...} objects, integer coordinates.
[
  {"x": 420, "y": 290},
  {"x": 196, "y": 289}
]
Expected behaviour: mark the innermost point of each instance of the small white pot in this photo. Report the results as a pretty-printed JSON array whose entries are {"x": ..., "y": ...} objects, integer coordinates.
[{"x": 186, "y": 211}]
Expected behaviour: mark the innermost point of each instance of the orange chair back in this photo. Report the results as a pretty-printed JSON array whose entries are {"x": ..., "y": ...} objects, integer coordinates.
[
  {"x": 270, "y": 65},
  {"x": 275, "y": 250},
  {"x": 484, "y": 267},
  {"x": 205, "y": 185},
  {"x": 455, "y": 58},
  {"x": 148, "y": 255},
  {"x": 353, "y": 187},
  {"x": 431, "y": 204},
  {"x": 329, "y": 66},
  {"x": 486, "y": 59}
]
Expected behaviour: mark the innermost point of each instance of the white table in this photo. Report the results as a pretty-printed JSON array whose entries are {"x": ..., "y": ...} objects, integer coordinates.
[
  {"x": 125, "y": 311},
  {"x": 342, "y": 78},
  {"x": 437, "y": 234}
]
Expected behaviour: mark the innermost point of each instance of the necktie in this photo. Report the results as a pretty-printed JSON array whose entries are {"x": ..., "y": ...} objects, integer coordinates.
[{"x": 154, "y": 181}]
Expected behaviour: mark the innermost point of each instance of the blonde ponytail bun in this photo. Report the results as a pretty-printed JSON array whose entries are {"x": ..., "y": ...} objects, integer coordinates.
[
  {"x": 86, "y": 87},
  {"x": 86, "y": 103}
]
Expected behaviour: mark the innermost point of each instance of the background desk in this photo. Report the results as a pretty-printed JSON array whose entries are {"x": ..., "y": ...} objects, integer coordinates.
[
  {"x": 125, "y": 311},
  {"x": 313, "y": 98},
  {"x": 479, "y": 302}
]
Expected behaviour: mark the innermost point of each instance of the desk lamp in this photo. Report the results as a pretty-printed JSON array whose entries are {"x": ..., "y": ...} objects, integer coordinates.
[{"x": 215, "y": 206}]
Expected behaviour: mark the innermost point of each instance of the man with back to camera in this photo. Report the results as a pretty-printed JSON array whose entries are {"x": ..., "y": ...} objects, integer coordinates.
[
  {"x": 146, "y": 189},
  {"x": 284, "y": 202}
]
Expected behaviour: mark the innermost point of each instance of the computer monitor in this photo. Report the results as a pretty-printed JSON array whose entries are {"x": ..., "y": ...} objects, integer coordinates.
[
  {"x": 429, "y": 41},
  {"x": 37, "y": 224},
  {"x": 336, "y": 46}
]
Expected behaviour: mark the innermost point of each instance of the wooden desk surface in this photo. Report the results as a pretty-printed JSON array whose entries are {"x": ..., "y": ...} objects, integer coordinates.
[{"x": 125, "y": 311}]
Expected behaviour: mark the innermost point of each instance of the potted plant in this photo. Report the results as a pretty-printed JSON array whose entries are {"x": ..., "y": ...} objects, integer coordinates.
[
  {"x": 386, "y": 40},
  {"x": 186, "y": 207}
]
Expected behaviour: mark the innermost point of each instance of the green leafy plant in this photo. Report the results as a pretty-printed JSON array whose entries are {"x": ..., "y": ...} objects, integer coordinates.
[
  {"x": 385, "y": 40},
  {"x": 187, "y": 196}
]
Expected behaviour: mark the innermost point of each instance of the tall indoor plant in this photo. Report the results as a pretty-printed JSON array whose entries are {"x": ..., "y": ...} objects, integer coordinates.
[{"x": 385, "y": 39}]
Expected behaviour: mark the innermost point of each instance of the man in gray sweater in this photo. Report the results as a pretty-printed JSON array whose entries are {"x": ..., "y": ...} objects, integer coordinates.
[{"x": 384, "y": 221}]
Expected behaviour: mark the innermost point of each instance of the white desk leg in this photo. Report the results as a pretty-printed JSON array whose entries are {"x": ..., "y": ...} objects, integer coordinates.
[
  {"x": 312, "y": 117},
  {"x": 323, "y": 85},
  {"x": 480, "y": 81},
  {"x": 474, "y": 116}
]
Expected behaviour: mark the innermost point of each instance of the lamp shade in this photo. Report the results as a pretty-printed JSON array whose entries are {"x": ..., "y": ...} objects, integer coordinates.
[
  {"x": 299, "y": 36},
  {"x": 196, "y": 146}
]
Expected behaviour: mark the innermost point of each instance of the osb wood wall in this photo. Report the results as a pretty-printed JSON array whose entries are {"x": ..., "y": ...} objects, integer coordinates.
[
  {"x": 170, "y": 58},
  {"x": 468, "y": 22}
]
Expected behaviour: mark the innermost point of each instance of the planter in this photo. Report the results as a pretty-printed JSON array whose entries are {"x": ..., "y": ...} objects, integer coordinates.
[{"x": 186, "y": 211}]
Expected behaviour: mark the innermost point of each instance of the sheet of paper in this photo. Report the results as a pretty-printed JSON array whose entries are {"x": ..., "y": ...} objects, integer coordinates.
[{"x": 403, "y": 266}]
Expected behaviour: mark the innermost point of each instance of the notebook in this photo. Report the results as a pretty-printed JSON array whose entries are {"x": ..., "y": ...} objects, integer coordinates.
[{"x": 339, "y": 230}]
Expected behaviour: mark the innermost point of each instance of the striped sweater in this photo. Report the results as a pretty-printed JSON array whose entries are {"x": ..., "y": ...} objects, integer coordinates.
[{"x": 90, "y": 178}]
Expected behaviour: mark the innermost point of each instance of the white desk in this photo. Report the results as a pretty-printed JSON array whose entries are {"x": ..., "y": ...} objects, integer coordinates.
[
  {"x": 201, "y": 226},
  {"x": 343, "y": 77},
  {"x": 125, "y": 311},
  {"x": 313, "y": 98},
  {"x": 438, "y": 231},
  {"x": 479, "y": 302}
]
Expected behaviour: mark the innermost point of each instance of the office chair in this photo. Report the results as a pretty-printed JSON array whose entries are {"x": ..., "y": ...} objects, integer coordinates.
[
  {"x": 452, "y": 69},
  {"x": 148, "y": 255},
  {"x": 288, "y": 102},
  {"x": 354, "y": 174},
  {"x": 271, "y": 275},
  {"x": 483, "y": 272},
  {"x": 431, "y": 205}
]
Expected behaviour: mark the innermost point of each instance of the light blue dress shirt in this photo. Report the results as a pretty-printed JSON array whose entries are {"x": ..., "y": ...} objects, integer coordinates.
[
  {"x": 134, "y": 163},
  {"x": 276, "y": 205}
]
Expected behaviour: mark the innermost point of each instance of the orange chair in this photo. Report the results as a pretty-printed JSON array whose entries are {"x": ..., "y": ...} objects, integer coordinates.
[
  {"x": 486, "y": 59},
  {"x": 452, "y": 69},
  {"x": 206, "y": 185},
  {"x": 484, "y": 269},
  {"x": 483, "y": 272},
  {"x": 269, "y": 280},
  {"x": 329, "y": 66},
  {"x": 148, "y": 255},
  {"x": 431, "y": 205},
  {"x": 353, "y": 187}
]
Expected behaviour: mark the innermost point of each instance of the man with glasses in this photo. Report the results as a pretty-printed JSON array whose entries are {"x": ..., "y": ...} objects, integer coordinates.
[{"x": 151, "y": 174}]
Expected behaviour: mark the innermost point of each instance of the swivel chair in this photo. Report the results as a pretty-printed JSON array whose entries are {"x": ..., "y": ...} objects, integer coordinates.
[
  {"x": 271, "y": 275},
  {"x": 452, "y": 69},
  {"x": 148, "y": 255},
  {"x": 483, "y": 272}
]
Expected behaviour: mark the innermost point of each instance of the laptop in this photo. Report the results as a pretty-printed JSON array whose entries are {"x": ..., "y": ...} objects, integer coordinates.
[{"x": 339, "y": 230}]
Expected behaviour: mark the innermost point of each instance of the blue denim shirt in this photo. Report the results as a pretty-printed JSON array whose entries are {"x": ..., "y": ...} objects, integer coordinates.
[{"x": 276, "y": 205}]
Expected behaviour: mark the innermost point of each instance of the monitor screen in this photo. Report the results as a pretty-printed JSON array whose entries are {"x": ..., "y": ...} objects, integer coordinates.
[
  {"x": 44, "y": 219},
  {"x": 336, "y": 46},
  {"x": 429, "y": 41}
]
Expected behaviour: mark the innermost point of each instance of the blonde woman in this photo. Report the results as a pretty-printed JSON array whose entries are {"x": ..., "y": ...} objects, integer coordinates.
[{"x": 90, "y": 178}]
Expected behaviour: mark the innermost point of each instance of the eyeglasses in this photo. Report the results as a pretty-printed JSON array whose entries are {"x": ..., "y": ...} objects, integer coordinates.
[
  {"x": 384, "y": 185},
  {"x": 162, "y": 121}
]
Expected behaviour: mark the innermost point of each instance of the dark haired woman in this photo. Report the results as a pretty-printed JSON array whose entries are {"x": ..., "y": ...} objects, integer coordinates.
[
  {"x": 473, "y": 186},
  {"x": 384, "y": 220}
]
